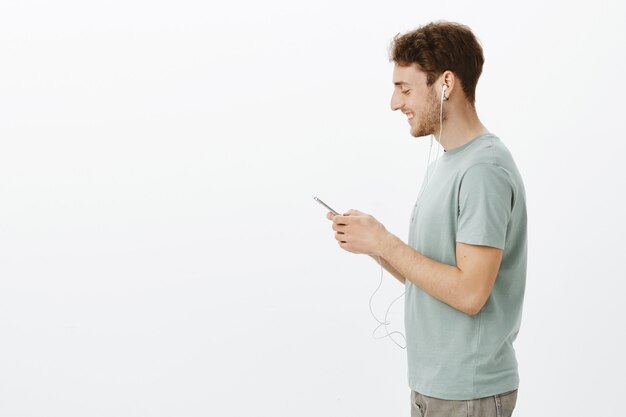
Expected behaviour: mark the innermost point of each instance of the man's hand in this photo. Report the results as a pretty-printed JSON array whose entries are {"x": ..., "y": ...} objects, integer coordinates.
[{"x": 359, "y": 232}]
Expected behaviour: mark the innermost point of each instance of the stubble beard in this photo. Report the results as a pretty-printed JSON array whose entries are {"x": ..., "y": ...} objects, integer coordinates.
[{"x": 429, "y": 119}]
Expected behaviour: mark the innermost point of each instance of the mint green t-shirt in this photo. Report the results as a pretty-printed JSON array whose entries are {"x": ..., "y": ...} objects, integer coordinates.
[{"x": 475, "y": 196}]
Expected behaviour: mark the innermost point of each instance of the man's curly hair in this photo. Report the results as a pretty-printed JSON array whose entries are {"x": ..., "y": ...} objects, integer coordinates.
[{"x": 440, "y": 46}]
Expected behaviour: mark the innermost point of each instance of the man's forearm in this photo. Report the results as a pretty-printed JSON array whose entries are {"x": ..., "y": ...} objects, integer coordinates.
[
  {"x": 442, "y": 281},
  {"x": 389, "y": 268}
]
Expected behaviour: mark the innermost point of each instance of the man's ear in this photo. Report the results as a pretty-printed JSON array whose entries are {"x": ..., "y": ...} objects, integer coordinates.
[{"x": 449, "y": 80}]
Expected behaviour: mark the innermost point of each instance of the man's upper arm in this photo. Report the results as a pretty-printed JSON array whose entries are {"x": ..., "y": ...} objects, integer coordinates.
[
  {"x": 479, "y": 265},
  {"x": 486, "y": 197}
]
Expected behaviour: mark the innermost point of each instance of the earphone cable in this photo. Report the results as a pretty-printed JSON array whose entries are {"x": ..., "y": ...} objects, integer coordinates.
[{"x": 386, "y": 322}]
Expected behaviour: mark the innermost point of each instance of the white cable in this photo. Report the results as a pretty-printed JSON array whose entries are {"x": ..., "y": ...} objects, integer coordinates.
[
  {"x": 386, "y": 322},
  {"x": 428, "y": 162},
  {"x": 443, "y": 90}
]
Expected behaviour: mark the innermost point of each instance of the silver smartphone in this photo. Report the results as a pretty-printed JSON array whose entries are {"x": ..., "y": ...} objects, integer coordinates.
[{"x": 325, "y": 205}]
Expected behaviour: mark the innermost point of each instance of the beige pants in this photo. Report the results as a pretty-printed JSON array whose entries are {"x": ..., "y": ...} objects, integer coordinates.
[{"x": 500, "y": 405}]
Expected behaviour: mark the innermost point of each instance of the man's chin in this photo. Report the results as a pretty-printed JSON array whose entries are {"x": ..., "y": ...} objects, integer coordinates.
[{"x": 419, "y": 134}]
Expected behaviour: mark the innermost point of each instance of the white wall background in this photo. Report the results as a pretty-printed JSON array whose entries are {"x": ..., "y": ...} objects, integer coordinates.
[{"x": 160, "y": 252}]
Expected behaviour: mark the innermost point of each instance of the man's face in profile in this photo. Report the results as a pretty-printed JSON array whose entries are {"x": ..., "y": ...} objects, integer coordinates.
[{"x": 414, "y": 98}]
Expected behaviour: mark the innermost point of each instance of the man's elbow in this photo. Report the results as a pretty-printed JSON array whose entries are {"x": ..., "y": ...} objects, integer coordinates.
[
  {"x": 472, "y": 311},
  {"x": 473, "y": 305}
]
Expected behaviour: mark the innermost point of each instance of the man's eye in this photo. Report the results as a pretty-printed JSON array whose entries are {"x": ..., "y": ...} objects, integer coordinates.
[{"x": 406, "y": 92}]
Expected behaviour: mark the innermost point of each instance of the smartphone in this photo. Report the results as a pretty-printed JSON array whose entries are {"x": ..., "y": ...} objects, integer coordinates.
[{"x": 325, "y": 205}]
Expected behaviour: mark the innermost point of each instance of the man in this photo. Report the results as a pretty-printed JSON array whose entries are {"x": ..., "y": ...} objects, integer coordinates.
[{"x": 464, "y": 267}]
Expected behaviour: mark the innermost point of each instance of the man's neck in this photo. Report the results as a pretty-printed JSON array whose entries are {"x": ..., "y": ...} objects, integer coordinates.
[{"x": 460, "y": 129}]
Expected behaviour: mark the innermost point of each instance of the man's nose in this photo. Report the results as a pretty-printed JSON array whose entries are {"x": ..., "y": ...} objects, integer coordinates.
[{"x": 395, "y": 102}]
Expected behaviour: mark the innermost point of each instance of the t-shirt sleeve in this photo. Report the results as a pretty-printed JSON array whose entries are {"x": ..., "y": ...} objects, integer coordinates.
[{"x": 485, "y": 203}]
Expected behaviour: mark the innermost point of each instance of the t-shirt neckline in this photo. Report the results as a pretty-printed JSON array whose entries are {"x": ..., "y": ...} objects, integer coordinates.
[{"x": 465, "y": 145}]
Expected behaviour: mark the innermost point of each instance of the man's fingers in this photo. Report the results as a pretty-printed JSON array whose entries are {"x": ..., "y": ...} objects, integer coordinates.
[
  {"x": 339, "y": 236},
  {"x": 338, "y": 227},
  {"x": 339, "y": 219}
]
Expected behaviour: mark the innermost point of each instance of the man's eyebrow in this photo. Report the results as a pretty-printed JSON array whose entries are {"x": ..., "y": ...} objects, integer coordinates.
[{"x": 401, "y": 83}]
